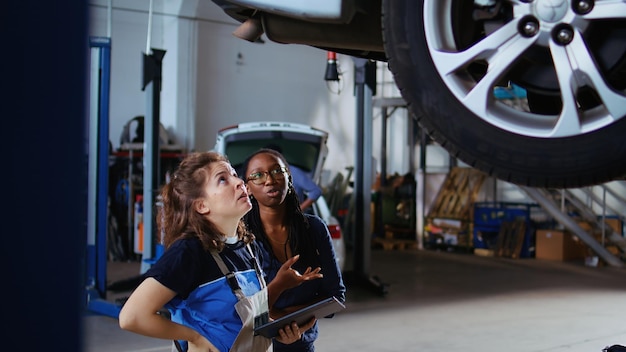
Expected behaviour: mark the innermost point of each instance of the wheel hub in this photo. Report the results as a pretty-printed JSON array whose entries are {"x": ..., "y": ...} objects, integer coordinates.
[{"x": 551, "y": 11}]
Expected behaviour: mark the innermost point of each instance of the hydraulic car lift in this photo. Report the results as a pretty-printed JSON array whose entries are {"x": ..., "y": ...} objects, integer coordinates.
[
  {"x": 98, "y": 174},
  {"x": 98, "y": 141},
  {"x": 364, "y": 81}
]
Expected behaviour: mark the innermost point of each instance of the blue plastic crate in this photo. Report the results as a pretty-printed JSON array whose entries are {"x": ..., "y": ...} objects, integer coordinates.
[
  {"x": 494, "y": 213},
  {"x": 485, "y": 237},
  {"x": 488, "y": 218},
  {"x": 512, "y": 92}
]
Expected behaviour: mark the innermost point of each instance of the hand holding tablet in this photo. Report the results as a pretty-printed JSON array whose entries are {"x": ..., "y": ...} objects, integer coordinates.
[{"x": 318, "y": 310}]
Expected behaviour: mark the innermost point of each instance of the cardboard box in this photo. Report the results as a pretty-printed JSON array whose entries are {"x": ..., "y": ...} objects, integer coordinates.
[
  {"x": 558, "y": 245},
  {"x": 615, "y": 224}
]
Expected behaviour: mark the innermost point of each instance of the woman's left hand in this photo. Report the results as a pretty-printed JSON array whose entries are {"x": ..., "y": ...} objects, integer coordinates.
[
  {"x": 287, "y": 277},
  {"x": 292, "y": 333}
]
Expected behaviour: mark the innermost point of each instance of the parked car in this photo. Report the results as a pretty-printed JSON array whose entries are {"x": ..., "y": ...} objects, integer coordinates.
[
  {"x": 452, "y": 58},
  {"x": 302, "y": 145}
]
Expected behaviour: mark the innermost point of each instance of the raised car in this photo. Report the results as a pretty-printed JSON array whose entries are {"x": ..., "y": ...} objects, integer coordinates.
[{"x": 563, "y": 60}]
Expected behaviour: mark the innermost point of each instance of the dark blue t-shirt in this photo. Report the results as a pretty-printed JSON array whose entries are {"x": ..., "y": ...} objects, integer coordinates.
[
  {"x": 330, "y": 285},
  {"x": 204, "y": 300}
]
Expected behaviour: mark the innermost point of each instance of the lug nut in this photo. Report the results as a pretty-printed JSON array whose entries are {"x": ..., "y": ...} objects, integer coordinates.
[
  {"x": 583, "y": 7},
  {"x": 531, "y": 28},
  {"x": 563, "y": 34},
  {"x": 528, "y": 26}
]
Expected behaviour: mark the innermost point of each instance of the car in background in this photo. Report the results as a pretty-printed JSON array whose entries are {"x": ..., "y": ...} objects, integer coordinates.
[
  {"x": 452, "y": 58},
  {"x": 302, "y": 145}
]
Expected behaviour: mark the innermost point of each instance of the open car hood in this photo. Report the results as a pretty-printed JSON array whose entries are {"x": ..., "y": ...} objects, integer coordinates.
[{"x": 302, "y": 145}]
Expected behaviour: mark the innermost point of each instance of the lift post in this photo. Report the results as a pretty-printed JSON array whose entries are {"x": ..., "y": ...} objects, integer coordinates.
[
  {"x": 364, "y": 82},
  {"x": 98, "y": 180},
  {"x": 98, "y": 141},
  {"x": 152, "y": 76}
]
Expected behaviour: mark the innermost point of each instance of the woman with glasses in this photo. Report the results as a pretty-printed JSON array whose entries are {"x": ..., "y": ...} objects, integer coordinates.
[
  {"x": 307, "y": 190},
  {"x": 283, "y": 231}
]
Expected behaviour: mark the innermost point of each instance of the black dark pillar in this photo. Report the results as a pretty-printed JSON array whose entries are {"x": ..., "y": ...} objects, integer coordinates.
[
  {"x": 364, "y": 85},
  {"x": 152, "y": 68}
]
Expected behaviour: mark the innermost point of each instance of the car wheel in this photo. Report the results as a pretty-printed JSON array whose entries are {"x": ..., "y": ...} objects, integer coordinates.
[{"x": 449, "y": 58}]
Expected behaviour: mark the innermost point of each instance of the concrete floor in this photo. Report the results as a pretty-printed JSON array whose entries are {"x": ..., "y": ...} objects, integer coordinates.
[{"x": 441, "y": 301}]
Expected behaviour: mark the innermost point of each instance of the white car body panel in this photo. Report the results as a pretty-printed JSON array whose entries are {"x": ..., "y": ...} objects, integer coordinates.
[{"x": 317, "y": 10}]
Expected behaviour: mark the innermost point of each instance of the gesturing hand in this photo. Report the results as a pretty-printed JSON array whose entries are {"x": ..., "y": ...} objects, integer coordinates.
[{"x": 287, "y": 277}]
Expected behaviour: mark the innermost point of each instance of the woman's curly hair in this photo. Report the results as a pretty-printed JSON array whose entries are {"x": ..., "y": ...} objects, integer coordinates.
[{"x": 178, "y": 219}]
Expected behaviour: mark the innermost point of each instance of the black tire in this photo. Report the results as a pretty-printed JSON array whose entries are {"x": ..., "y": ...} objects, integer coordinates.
[{"x": 506, "y": 143}]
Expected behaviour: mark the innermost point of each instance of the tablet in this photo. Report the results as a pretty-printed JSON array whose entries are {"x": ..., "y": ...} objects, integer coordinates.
[{"x": 318, "y": 310}]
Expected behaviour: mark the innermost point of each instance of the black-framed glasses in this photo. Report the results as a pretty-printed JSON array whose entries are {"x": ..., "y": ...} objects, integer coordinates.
[{"x": 260, "y": 177}]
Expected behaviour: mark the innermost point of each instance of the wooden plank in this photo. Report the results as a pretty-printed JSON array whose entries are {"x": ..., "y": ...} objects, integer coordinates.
[
  {"x": 393, "y": 232},
  {"x": 457, "y": 194},
  {"x": 511, "y": 239},
  {"x": 395, "y": 244}
]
